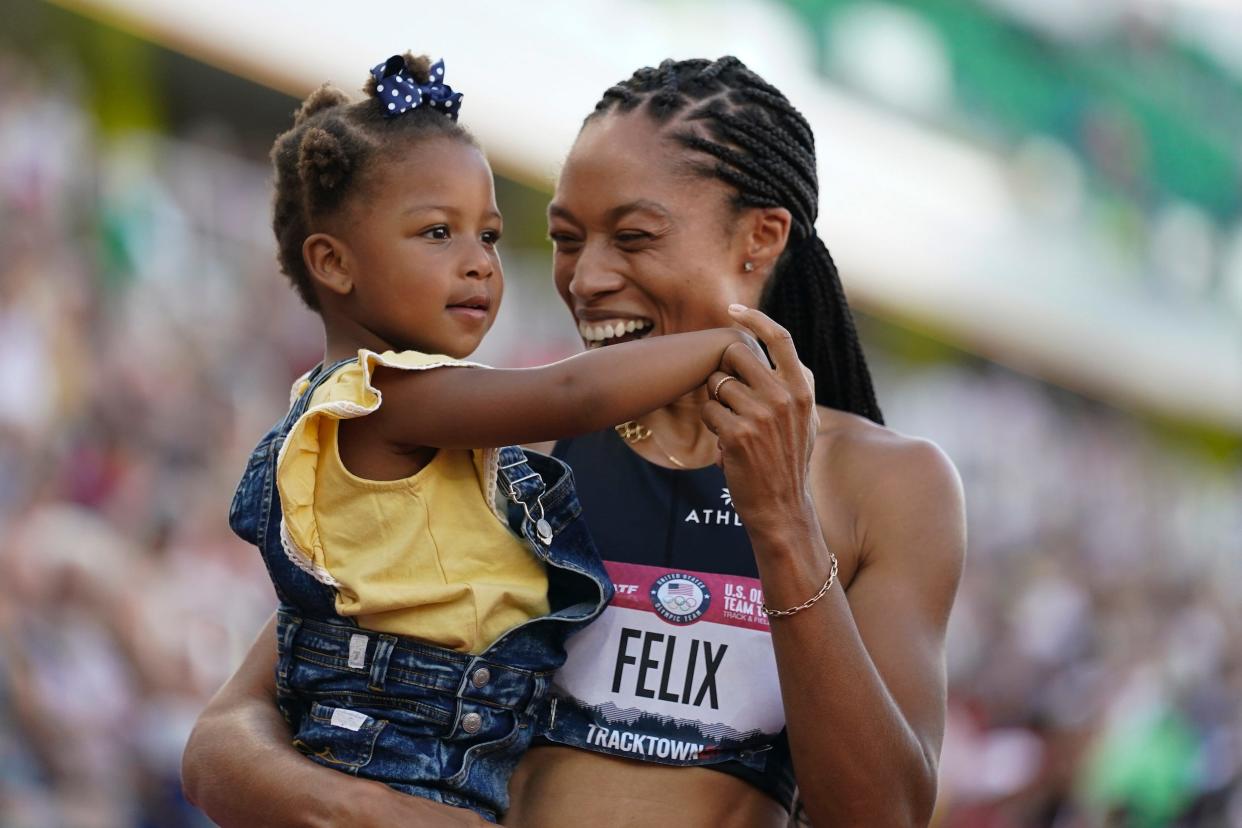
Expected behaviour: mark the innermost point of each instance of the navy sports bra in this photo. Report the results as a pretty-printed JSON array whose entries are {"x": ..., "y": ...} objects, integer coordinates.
[{"x": 679, "y": 668}]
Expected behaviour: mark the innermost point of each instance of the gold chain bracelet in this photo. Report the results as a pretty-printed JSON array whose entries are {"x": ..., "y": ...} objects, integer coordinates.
[{"x": 832, "y": 576}]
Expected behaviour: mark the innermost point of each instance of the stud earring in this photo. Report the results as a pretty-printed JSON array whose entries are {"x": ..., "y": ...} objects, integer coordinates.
[{"x": 747, "y": 266}]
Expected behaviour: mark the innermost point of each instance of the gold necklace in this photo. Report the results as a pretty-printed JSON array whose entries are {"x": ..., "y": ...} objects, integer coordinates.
[{"x": 632, "y": 432}]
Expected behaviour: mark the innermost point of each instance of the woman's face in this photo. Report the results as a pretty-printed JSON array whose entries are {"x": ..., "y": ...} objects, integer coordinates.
[{"x": 643, "y": 247}]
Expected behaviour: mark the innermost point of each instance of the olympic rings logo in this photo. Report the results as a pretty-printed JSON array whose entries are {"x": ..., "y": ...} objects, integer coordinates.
[{"x": 680, "y": 598}]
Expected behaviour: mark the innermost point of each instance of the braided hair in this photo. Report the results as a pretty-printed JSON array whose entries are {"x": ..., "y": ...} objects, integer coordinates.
[
  {"x": 746, "y": 133},
  {"x": 322, "y": 161}
]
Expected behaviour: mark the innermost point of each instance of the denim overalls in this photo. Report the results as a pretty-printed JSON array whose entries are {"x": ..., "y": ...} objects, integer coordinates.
[{"x": 433, "y": 722}]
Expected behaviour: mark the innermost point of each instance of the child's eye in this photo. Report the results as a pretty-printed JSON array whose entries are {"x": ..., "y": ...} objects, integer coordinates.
[
  {"x": 440, "y": 232},
  {"x": 491, "y": 236}
]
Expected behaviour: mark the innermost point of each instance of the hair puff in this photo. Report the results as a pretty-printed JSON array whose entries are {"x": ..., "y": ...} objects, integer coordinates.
[
  {"x": 323, "y": 163},
  {"x": 325, "y": 97}
]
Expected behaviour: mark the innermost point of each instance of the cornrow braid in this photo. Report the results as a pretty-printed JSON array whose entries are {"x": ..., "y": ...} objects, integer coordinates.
[
  {"x": 758, "y": 143},
  {"x": 322, "y": 162}
]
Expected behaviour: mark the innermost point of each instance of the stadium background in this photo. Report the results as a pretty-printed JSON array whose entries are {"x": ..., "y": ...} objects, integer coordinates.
[{"x": 1036, "y": 209}]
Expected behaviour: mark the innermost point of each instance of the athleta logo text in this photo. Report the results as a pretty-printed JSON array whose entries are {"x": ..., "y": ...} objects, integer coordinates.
[{"x": 716, "y": 517}]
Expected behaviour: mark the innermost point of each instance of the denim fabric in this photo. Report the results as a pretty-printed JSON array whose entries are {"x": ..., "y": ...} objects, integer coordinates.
[{"x": 426, "y": 720}]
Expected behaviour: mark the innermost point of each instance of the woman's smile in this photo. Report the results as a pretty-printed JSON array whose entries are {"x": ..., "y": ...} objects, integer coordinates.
[{"x": 609, "y": 330}]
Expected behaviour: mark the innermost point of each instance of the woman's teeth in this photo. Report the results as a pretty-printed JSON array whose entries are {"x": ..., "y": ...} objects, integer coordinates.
[{"x": 611, "y": 329}]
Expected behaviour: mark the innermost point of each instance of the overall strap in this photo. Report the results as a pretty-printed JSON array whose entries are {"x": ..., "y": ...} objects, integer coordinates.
[
  {"x": 524, "y": 487},
  {"x": 296, "y": 587}
]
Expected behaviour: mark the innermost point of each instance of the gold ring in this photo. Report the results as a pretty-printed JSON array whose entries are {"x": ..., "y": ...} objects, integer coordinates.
[{"x": 716, "y": 390}]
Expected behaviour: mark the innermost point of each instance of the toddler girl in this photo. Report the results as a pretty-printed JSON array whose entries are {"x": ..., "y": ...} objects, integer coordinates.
[{"x": 427, "y": 579}]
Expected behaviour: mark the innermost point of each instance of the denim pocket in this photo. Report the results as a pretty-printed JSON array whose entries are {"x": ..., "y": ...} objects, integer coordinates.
[{"x": 338, "y": 737}]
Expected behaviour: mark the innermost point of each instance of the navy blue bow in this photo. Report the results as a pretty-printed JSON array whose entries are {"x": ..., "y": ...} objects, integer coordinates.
[{"x": 398, "y": 92}]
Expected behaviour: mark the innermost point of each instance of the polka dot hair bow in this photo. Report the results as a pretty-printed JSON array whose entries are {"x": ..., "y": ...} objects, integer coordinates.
[{"x": 398, "y": 92}]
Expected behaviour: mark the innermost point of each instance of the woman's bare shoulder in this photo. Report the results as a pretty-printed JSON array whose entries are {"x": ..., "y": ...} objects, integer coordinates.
[
  {"x": 865, "y": 451},
  {"x": 892, "y": 481}
]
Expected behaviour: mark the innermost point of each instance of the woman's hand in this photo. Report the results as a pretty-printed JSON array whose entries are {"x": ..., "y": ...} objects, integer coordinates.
[{"x": 766, "y": 421}]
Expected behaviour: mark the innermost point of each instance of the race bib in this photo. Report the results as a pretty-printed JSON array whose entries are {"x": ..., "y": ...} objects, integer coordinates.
[{"x": 678, "y": 667}]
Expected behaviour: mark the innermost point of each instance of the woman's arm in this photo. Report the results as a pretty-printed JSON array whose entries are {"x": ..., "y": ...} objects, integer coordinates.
[
  {"x": 241, "y": 769},
  {"x": 469, "y": 408},
  {"x": 863, "y": 679}
]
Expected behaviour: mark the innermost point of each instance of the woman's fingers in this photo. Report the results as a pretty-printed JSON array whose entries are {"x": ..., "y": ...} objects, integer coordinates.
[
  {"x": 791, "y": 375},
  {"x": 741, "y": 362},
  {"x": 717, "y": 418},
  {"x": 778, "y": 340},
  {"x": 753, "y": 345},
  {"x": 733, "y": 393}
]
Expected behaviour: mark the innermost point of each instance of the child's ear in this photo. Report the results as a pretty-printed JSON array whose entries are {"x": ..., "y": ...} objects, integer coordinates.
[
  {"x": 326, "y": 261},
  {"x": 765, "y": 233}
]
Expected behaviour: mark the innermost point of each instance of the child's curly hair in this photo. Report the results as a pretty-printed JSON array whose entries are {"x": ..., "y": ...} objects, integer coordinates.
[{"x": 321, "y": 160}]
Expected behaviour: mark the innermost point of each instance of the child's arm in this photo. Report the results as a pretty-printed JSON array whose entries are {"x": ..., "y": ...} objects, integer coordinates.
[{"x": 476, "y": 408}]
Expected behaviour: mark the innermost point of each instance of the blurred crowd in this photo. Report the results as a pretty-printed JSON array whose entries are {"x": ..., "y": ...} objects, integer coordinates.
[
  {"x": 147, "y": 340},
  {"x": 1095, "y": 650},
  {"x": 144, "y": 342}
]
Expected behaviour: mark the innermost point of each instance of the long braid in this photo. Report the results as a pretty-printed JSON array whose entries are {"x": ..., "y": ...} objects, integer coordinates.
[{"x": 763, "y": 147}]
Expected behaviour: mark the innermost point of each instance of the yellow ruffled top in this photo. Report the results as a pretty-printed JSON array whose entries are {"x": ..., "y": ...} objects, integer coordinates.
[{"x": 428, "y": 556}]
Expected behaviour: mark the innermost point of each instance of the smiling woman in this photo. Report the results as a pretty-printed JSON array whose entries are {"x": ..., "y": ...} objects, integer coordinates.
[
  {"x": 776, "y": 633},
  {"x": 730, "y": 652}
]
